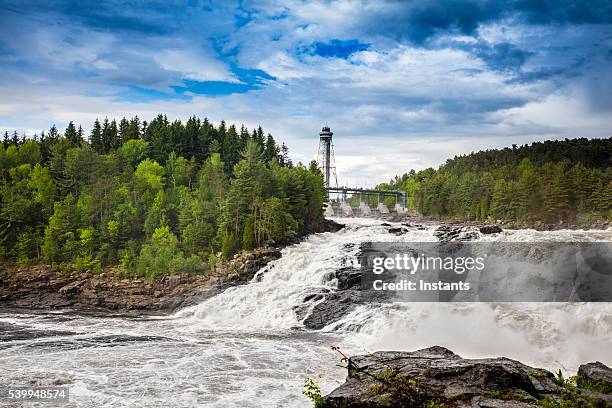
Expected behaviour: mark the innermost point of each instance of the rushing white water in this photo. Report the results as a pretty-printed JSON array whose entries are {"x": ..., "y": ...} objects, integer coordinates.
[{"x": 246, "y": 347}]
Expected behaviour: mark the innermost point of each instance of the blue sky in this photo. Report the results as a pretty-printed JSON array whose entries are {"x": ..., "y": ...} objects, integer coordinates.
[{"x": 403, "y": 84}]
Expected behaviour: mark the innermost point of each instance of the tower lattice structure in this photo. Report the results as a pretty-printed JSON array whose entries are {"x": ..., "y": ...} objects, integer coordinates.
[{"x": 326, "y": 159}]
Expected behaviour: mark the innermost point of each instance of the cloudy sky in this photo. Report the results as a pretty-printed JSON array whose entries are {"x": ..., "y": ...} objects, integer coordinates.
[{"x": 403, "y": 84}]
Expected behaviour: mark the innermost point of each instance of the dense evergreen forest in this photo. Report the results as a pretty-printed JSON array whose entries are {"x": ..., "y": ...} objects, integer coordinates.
[
  {"x": 150, "y": 198},
  {"x": 553, "y": 181}
]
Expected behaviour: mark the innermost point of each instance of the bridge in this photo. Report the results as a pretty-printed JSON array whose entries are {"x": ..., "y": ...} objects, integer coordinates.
[{"x": 349, "y": 201}]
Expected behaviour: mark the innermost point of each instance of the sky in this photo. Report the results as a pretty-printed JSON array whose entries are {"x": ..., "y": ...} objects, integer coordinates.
[{"x": 402, "y": 84}]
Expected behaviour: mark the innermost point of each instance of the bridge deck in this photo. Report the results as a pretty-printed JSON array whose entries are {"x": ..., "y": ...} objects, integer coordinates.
[{"x": 364, "y": 190}]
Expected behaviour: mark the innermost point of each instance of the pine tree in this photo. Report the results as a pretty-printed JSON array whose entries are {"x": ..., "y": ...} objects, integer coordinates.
[
  {"x": 106, "y": 136},
  {"x": 133, "y": 131},
  {"x": 95, "y": 139},
  {"x": 15, "y": 139},
  {"x": 204, "y": 140},
  {"x": 220, "y": 133},
  {"x": 231, "y": 149},
  {"x": 158, "y": 134},
  {"x": 251, "y": 180},
  {"x": 124, "y": 130},
  {"x": 258, "y": 137},
  {"x": 191, "y": 145},
  {"x": 285, "y": 160},
  {"x": 53, "y": 135},
  {"x": 80, "y": 135},
  {"x": 71, "y": 135},
  {"x": 244, "y": 137},
  {"x": 271, "y": 152},
  {"x": 555, "y": 192},
  {"x": 215, "y": 147},
  {"x": 115, "y": 136}
]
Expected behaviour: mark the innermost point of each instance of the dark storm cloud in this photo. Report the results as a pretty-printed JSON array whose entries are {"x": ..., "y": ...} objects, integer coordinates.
[
  {"x": 98, "y": 15},
  {"x": 503, "y": 56},
  {"x": 419, "y": 21}
]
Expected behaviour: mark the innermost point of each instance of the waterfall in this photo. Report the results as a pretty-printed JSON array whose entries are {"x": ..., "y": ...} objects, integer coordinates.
[
  {"x": 225, "y": 350},
  {"x": 548, "y": 335}
]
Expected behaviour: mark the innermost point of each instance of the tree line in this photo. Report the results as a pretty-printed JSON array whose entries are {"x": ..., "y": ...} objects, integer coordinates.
[
  {"x": 152, "y": 197},
  {"x": 553, "y": 181}
]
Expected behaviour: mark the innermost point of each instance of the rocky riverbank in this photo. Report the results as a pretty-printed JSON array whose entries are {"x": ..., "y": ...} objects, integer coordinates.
[
  {"x": 436, "y": 377},
  {"x": 40, "y": 287}
]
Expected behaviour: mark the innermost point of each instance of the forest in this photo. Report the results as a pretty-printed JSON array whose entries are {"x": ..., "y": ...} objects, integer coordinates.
[
  {"x": 150, "y": 198},
  {"x": 566, "y": 181}
]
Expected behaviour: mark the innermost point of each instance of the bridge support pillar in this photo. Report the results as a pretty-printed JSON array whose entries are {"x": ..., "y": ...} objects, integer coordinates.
[
  {"x": 364, "y": 208},
  {"x": 382, "y": 208}
]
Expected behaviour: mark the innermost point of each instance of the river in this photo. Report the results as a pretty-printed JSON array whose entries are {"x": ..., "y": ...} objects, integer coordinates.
[{"x": 247, "y": 348}]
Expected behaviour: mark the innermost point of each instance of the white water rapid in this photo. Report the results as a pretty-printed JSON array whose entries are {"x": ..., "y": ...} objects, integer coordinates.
[{"x": 246, "y": 347}]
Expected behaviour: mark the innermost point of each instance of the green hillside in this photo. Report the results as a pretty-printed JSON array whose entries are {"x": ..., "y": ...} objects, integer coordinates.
[{"x": 553, "y": 181}]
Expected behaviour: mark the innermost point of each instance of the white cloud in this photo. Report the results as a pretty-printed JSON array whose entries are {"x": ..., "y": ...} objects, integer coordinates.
[
  {"x": 392, "y": 107},
  {"x": 194, "y": 64}
]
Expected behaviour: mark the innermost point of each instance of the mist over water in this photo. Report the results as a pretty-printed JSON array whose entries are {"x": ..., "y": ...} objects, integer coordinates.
[{"x": 246, "y": 347}]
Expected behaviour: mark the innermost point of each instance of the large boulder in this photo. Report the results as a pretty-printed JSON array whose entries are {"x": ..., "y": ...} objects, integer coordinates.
[
  {"x": 490, "y": 229},
  {"x": 437, "y": 377},
  {"x": 331, "y": 226},
  {"x": 596, "y": 377},
  {"x": 334, "y": 306}
]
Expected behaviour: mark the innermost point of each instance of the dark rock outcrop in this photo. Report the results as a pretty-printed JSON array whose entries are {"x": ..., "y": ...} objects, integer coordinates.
[
  {"x": 595, "y": 376},
  {"x": 490, "y": 229},
  {"x": 397, "y": 230},
  {"x": 334, "y": 306},
  {"x": 402, "y": 228},
  {"x": 447, "y": 233},
  {"x": 437, "y": 377},
  {"x": 332, "y": 226},
  {"x": 348, "y": 278}
]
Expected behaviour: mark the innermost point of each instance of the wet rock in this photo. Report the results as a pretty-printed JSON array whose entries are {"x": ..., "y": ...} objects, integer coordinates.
[
  {"x": 447, "y": 233},
  {"x": 11, "y": 332},
  {"x": 332, "y": 226},
  {"x": 348, "y": 278},
  {"x": 490, "y": 229},
  {"x": 312, "y": 296},
  {"x": 595, "y": 376},
  {"x": 436, "y": 376},
  {"x": 244, "y": 268},
  {"x": 333, "y": 308},
  {"x": 415, "y": 226},
  {"x": 72, "y": 289}
]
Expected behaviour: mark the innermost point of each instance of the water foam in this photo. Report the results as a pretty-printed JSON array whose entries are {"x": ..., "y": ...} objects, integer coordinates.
[
  {"x": 240, "y": 348},
  {"x": 552, "y": 335}
]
